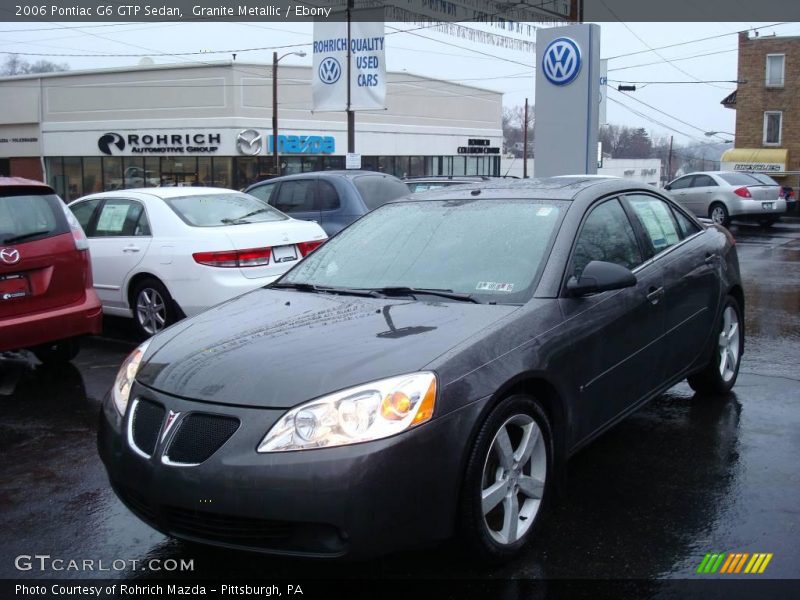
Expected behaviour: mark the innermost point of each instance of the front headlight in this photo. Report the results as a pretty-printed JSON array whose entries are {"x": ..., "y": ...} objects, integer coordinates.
[
  {"x": 121, "y": 391},
  {"x": 359, "y": 414}
]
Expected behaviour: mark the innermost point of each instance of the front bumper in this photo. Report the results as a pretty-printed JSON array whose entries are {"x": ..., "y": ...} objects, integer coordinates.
[
  {"x": 358, "y": 500},
  {"x": 26, "y": 331}
]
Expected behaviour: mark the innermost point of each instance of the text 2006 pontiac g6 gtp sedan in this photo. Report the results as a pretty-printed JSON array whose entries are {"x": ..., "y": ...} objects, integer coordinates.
[{"x": 425, "y": 373}]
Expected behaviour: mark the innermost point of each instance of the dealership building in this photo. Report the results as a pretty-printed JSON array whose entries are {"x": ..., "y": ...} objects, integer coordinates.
[{"x": 211, "y": 124}]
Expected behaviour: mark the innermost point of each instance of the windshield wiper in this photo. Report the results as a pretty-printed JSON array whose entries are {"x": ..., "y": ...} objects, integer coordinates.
[
  {"x": 24, "y": 236},
  {"x": 310, "y": 287},
  {"x": 241, "y": 220},
  {"x": 411, "y": 291}
]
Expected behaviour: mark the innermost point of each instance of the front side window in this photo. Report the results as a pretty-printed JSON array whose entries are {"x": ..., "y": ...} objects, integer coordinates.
[
  {"x": 83, "y": 212},
  {"x": 121, "y": 218},
  {"x": 656, "y": 218},
  {"x": 491, "y": 249},
  {"x": 772, "y": 128},
  {"x": 775, "y": 70},
  {"x": 217, "y": 210},
  {"x": 681, "y": 183},
  {"x": 607, "y": 235}
]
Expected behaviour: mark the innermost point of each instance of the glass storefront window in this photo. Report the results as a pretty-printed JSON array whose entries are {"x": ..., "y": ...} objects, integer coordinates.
[
  {"x": 112, "y": 173},
  {"x": 205, "y": 175},
  {"x": 311, "y": 163},
  {"x": 333, "y": 163},
  {"x": 223, "y": 172},
  {"x": 92, "y": 175},
  {"x": 400, "y": 166},
  {"x": 179, "y": 170},
  {"x": 369, "y": 163},
  {"x": 472, "y": 165},
  {"x": 386, "y": 164},
  {"x": 55, "y": 174},
  {"x": 73, "y": 178},
  {"x": 290, "y": 165},
  {"x": 416, "y": 166},
  {"x": 133, "y": 172},
  {"x": 458, "y": 166}
]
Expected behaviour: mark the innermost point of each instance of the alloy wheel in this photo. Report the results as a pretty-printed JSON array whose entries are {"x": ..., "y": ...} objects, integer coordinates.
[
  {"x": 513, "y": 479},
  {"x": 729, "y": 344},
  {"x": 151, "y": 311},
  {"x": 718, "y": 215}
]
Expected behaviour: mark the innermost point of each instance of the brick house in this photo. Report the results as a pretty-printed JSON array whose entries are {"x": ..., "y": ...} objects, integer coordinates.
[{"x": 767, "y": 104}]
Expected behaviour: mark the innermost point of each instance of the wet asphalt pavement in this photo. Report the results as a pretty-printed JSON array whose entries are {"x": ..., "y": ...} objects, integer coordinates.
[{"x": 682, "y": 477}]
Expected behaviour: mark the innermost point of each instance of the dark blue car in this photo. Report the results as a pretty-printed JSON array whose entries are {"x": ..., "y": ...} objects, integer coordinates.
[{"x": 334, "y": 199}]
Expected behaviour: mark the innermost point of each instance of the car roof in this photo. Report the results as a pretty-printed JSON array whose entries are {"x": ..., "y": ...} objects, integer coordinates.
[
  {"x": 348, "y": 174},
  {"x": 164, "y": 192},
  {"x": 562, "y": 187},
  {"x": 22, "y": 182}
]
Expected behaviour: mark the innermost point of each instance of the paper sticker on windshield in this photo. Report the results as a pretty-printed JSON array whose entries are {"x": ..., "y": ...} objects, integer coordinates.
[
  {"x": 544, "y": 211},
  {"x": 493, "y": 286}
]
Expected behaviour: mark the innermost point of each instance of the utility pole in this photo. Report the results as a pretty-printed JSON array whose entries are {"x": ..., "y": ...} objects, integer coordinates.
[
  {"x": 669, "y": 161},
  {"x": 351, "y": 117},
  {"x": 525, "y": 143},
  {"x": 275, "y": 165}
]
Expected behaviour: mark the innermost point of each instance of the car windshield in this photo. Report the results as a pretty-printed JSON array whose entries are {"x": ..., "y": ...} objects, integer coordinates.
[
  {"x": 739, "y": 179},
  {"x": 492, "y": 250},
  {"x": 216, "y": 210},
  {"x": 27, "y": 217},
  {"x": 764, "y": 179}
]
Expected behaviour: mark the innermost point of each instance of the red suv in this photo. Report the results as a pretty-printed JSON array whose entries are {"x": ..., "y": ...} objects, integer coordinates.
[{"x": 46, "y": 296}]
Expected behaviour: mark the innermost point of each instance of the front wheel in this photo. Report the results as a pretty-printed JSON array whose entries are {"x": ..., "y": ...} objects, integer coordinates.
[
  {"x": 153, "y": 308},
  {"x": 719, "y": 214},
  {"x": 507, "y": 479},
  {"x": 719, "y": 376}
]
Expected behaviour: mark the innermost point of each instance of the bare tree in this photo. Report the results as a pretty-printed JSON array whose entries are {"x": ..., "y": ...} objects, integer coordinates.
[{"x": 14, "y": 65}]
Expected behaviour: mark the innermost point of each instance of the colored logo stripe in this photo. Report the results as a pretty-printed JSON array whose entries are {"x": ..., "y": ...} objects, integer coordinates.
[{"x": 733, "y": 562}]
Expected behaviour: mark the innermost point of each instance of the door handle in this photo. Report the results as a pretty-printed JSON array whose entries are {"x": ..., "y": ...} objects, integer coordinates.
[
  {"x": 710, "y": 192},
  {"x": 131, "y": 249},
  {"x": 655, "y": 294},
  {"x": 710, "y": 259}
]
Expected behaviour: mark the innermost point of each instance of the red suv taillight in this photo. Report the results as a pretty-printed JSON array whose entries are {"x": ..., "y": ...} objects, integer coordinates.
[
  {"x": 307, "y": 248},
  {"x": 743, "y": 192},
  {"x": 252, "y": 257}
]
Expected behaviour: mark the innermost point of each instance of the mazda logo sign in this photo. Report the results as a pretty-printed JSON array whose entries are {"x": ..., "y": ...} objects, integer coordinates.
[
  {"x": 10, "y": 256},
  {"x": 561, "y": 61},
  {"x": 249, "y": 142}
]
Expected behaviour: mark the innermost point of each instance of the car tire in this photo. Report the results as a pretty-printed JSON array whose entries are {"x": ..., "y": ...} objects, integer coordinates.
[
  {"x": 718, "y": 377},
  {"x": 58, "y": 352},
  {"x": 499, "y": 481},
  {"x": 718, "y": 213},
  {"x": 152, "y": 306}
]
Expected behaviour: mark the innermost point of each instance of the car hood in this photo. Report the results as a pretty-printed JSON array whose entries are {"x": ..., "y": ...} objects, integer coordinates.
[{"x": 278, "y": 348}]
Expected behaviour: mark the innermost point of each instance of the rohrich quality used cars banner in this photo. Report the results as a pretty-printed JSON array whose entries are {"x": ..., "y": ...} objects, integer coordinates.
[{"x": 367, "y": 65}]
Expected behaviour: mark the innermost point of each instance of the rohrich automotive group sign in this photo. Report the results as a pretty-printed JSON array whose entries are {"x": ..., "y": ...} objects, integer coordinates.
[{"x": 113, "y": 143}]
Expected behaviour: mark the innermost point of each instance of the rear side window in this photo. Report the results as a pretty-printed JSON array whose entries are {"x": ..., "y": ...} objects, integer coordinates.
[
  {"x": 263, "y": 192},
  {"x": 764, "y": 179},
  {"x": 218, "y": 210},
  {"x": 703, "y": 181},
  {"x": 295, "y": 196},
  {"x": 327, "y": 196},
  {"x": 739, "y": 179},
  {"x": 377, "y": 190},
  {"x": 26, "y": 217},
  {"x": 121, "y": 218},
  {"x": 656, "y": 218}
]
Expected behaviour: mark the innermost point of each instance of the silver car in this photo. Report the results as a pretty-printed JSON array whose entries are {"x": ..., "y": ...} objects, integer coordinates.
[{"x": 725, "y": 195}]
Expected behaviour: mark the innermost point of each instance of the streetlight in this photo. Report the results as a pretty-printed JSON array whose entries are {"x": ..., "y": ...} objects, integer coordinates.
[
  {"x": 713, "y": 133},
  {"x": 275, "y": 61}
]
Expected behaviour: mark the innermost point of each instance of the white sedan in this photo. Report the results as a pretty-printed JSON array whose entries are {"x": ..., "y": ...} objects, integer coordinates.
[{"x": 161, "y": 253}]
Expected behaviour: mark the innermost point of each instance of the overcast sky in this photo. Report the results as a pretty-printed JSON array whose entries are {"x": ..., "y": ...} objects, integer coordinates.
[{"x": 446, "y": 57}]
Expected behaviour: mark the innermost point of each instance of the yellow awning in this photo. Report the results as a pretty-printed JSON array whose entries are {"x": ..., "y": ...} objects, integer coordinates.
[{"x": 765, "y": 160}]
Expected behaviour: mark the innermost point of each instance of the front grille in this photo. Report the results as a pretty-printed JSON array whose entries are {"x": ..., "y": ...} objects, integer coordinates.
[
  {"x": 146, "y": 423},
  {"x": 199, "y": 435},
  {"x": 228, "y": 529}
]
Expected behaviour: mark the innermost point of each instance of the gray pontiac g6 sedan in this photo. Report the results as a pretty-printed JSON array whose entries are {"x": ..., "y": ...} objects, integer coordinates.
[{"x": 426, "y": 373}]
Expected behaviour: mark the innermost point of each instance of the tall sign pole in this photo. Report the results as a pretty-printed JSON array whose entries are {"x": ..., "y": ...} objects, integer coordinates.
[
  {"x": 567, "y": 100},
  {"x": 351, "y": 116},
  {"x": 525, "y": 143}
]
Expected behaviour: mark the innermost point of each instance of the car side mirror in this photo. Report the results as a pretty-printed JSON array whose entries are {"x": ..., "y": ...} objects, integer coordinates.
[
  {"x": 668, "y": 187},
  {"x": 600, "y": 276}
]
